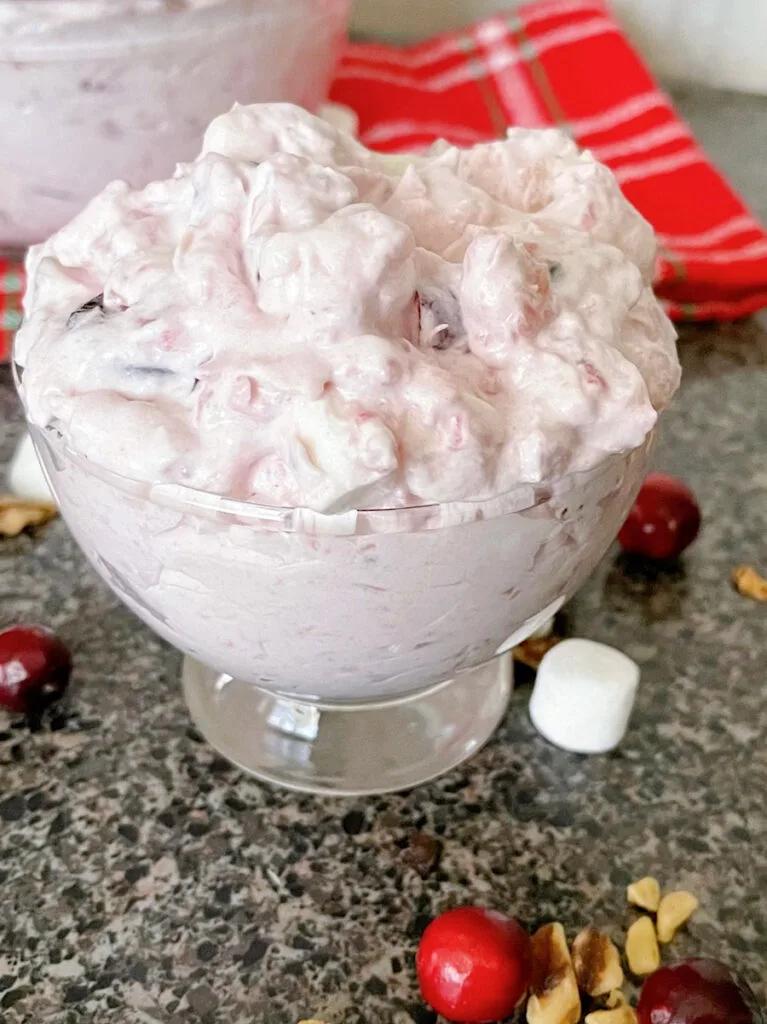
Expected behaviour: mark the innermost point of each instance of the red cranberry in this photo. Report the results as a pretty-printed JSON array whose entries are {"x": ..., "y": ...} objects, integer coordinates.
[
  {"x": 34, "y": 669},
  {"x": 664, "y": 521},
  {"x": 695, "y": 991},
  {"x": 474, "y": 965}
]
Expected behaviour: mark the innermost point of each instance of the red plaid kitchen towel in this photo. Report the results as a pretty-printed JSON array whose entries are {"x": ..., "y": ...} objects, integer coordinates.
[
  {"x": 11, "y": 285},
  {"x": 566, "y": 63}
]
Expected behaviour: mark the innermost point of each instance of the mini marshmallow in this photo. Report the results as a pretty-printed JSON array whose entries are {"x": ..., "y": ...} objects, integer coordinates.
[
  {"x": 583, "y": 696},
  {"x": 25, "y": 476}
]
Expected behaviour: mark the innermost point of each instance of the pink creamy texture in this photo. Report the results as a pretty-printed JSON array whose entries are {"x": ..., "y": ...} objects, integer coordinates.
[{"x": 297, "y": 321}]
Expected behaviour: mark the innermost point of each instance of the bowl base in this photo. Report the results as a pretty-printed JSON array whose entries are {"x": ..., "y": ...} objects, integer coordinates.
[{"x": 347, "y": 749}]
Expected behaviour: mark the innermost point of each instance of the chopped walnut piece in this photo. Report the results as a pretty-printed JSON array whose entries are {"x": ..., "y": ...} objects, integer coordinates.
[
  {"x": 675, "y": 908},
  {"x": 619, "y": 1015},
  {"x": 531, "y": 651},
  {"x": 554, "y": 996},
  {"x": 645, "y": 894},
  {"x": 422, "y": 853},
  {"x": 615, "y": 999},
  {"x": 597, "y": 962},
  {"x": 17, "y": 514},
  {"x": 642, "y": 950},
  {"x": 750, "y": 583}
]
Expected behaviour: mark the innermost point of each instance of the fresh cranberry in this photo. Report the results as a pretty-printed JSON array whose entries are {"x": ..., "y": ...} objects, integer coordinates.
[
  {"x": 34, "y": 669},
  {"x": 695, "y": 991},
  {"x": 474, "y": 965},
  {"x": 664, "y": 521}
]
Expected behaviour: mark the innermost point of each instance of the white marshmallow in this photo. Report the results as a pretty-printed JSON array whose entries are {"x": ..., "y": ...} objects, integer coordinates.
[
  {"x": 25, "y": 476},
  {"x": 583, "y": 696}
]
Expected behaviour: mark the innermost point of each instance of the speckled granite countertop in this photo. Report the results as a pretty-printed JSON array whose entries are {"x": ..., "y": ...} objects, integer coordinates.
[{"x": 144, "y": 880}]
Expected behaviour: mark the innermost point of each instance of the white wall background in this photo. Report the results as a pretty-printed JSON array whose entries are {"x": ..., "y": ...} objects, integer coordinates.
[{"x": 717, "y": 42}]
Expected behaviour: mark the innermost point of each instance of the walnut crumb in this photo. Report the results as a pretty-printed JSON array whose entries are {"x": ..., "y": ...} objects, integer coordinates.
[
  {"x": 554, "y": 996},
  {"x": 597, "y": 963},
  {"x": 749, "y": 583},
  {"x": 530, "y": 652},
  {"x": 17, "y": 514},
  {"x": 422, "y": 853}
]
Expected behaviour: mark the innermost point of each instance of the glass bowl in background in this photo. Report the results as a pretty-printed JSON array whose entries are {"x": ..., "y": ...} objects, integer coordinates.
[
  {"x": 94, "y": 90},
  {"x": 353, "y": 653}
]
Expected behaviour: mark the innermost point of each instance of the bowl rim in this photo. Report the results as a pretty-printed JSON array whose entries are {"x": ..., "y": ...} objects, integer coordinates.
[
  {"x": 523, "y": 497},
  {"x": 181, "y": 498}
]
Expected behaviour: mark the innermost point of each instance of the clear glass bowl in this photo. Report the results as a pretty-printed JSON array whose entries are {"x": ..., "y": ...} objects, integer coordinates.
[
  {"x": 360, "y": 652},
  {"x": 94, "y": 90}
]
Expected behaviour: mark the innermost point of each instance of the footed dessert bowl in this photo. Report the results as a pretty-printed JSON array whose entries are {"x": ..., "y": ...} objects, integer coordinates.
[
  {"x": 354, "y": 653},
  {"x": 344, "y": 427}
]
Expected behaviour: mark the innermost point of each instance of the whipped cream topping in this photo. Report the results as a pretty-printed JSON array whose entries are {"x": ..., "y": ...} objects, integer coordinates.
[{"x": 295, "y": 320}]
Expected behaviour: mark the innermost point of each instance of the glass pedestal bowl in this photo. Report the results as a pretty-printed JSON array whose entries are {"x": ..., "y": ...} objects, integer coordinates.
[{"x": 354, "y": 653}]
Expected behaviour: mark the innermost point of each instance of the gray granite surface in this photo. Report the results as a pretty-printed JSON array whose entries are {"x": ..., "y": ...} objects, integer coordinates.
[{"x": 142, "y": 879}]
